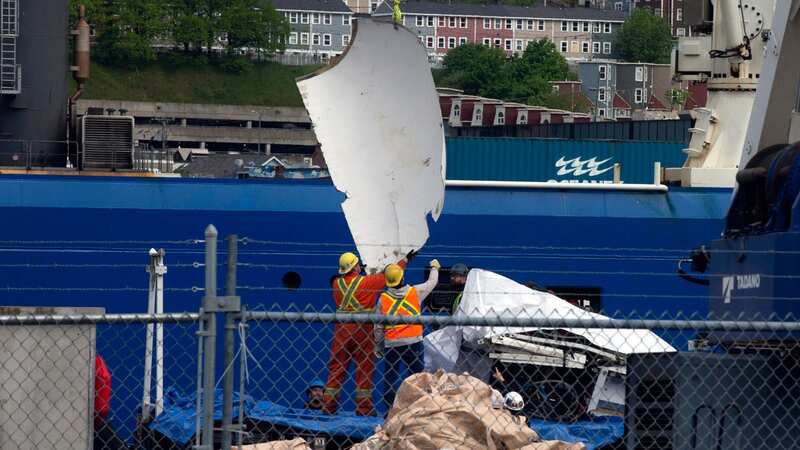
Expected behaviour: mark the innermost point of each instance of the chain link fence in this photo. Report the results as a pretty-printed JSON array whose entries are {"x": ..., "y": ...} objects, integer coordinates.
[{"x": 492, "y": 364}]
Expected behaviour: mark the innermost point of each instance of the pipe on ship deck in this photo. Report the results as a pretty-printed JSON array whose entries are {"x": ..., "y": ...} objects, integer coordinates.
[{"x": 551, "y": 185}]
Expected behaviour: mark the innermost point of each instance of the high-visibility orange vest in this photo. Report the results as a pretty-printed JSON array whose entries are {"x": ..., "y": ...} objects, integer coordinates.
[
  {"x": 404, "y": 306},
  {"x": 349, "y": 302}
]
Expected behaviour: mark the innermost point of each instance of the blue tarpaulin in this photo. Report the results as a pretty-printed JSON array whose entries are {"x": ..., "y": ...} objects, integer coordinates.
[
  {"x": 177, "y": 422},
  {"x": 595, "y": 433},
  {"x": 342, "y": 424}
]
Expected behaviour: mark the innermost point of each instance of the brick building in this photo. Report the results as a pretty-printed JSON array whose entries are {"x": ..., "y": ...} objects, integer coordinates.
[{"x": 579, "y": 33}]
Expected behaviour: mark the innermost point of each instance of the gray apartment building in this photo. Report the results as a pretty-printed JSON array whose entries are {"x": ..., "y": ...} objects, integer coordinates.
[
  {"x": 318, "y": 27},
  {"x": 625, "y": 90}
]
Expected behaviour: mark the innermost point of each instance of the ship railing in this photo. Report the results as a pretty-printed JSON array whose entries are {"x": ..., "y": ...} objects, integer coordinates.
[
  {"x": 34, "y": 154},
  {"x": 155, "y": 160}
]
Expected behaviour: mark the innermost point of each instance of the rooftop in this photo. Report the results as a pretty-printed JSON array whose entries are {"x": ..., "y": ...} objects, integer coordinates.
[
  {"x": 476, "y": 10},
  {"x": 311, "y": 5}
]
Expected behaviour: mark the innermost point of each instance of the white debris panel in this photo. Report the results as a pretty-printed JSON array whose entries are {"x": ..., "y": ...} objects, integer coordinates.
[
  {"x": 376, "y": 115},
  {"x": 489, "y": 294}
]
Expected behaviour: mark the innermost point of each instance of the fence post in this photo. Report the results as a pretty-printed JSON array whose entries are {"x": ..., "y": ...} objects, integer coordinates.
[
  {"x": 230, "y": 328},
  {"x": 210, "y": 338}
]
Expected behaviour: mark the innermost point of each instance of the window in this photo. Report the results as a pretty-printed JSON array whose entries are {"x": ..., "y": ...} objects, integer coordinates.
[
  {"x": 327, "y": 19},
  {"x": 508, "y": 44},
  {"x": 431, "y": 21},
  {"x": 462, "y": 22},
  {"x": 456, "y": 110},
  {"x": 576, "y": 26},
  {"x": 529, "y": 24},
  {"x": 478, "y": 114},
  {"x": 293, "y": 38},
  {"x": 498, "y": 43},
  {"x": 462, "y": 41},
  {"x": 585, "y": 47},
  {"x": 498, "y": 24},
  {"x": 596, "y": 28},
  {"x": 607, "y": 28},
  {"x": 440, "y": 42},
  {"x": 679, "y": 14},
  {"x": 681, "y": 31},
  {"x": 657, "y": 12},
  {"x": 346, "y": 20},
  {"x": 419, "y": 21},
  {"x": 519, "y": 45},
  {"x": 601, "y": 95},
  {"x": 373, "y": 6},
  {"x": 564, "y": 47},
  {"x": 564, "y": 25},
  {"x": 429, "y": 41},
  {"x": 595, "y": 47},
  {"x": 601, "y": 112},
  {"x": 606, "y": 48},
  {"x": 442, "y": 22},
  {"x": 293, "y": 17},
  {"x": 618, "y": 6},
  {"x": 487, "y": 24},
  {"x": 541, "y": 25},
  {"x": 315, "y": 18},
  {"x": 639, "y": 73},
  {"x": 487, "y": 42},
  {"x": 326, "y": 40},
  {"x": 586, "y": 27},
  {"x": 451, "y": 22},
  {"x": 603, "y": 71},
  {"x": 315, "y": 39},
  {"x": 303, "y": 17},
  {"x": 501, "y": 118},
  {"x": 509, "y": 24},
  {"x": 522, "y": 118},
  {"x": 638, "y": 95},
  {"x": 303, "y": 38},
  {"x": 345, "y": 40},
  {"x": 451, "y": 42}
]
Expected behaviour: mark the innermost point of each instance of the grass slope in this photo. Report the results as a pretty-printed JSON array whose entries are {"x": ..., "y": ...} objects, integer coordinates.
[{"x": 268, "y": 84}]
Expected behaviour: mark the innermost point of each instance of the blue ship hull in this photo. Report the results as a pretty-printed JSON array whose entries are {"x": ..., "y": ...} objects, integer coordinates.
[{"x": 625, "y": 244}]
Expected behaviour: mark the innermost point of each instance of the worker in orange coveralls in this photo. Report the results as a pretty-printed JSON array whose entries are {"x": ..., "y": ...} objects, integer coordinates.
[{"x": 353, "y": 293}]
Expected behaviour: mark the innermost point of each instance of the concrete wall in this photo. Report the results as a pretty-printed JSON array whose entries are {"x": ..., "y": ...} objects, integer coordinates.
[
  {"x": 47, "y": 383},
  {"x": 202, "y": 111}
]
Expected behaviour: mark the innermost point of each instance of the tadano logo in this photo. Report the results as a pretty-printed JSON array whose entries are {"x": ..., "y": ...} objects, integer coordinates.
[
  {"x": 578, "y": 167},
  {"x": 741, "y": 282}
]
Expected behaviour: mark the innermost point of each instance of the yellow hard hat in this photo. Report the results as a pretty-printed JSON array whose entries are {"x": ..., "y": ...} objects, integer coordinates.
[
  {"x": 347, "y": 262},
  {"x": 393, "y": 274}
]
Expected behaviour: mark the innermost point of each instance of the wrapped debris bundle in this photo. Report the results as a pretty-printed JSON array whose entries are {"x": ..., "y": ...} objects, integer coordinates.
[
  {"x": 449, "y": 411},
  {"x": 294, "y": 444}
]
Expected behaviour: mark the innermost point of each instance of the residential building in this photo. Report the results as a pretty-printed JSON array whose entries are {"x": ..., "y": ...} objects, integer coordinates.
[
  {"x": 317, "y": 27},
  {"x": 571, "y": 94},
  {"x": 626, "y": 90},
  {"x": 579, "y": 33},
  {"x": 617, "y": 5},
  {"x": 683, "y": 16},
  {"x": 363, "y": 6}
]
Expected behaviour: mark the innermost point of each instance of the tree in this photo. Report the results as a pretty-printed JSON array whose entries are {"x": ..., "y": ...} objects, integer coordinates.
[
  {"x": 645, "y": 37},
  {"x": 477, "y": 69},
  {"x": 539, "y": 64},
  {"x": 132, "y": 27}
]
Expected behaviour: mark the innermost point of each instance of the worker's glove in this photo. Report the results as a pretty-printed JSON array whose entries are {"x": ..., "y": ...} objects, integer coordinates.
[
  {"x": 435, "y": 264},
  {"x": 411, "y": 255},
  {"x": 378, "y": 353}
]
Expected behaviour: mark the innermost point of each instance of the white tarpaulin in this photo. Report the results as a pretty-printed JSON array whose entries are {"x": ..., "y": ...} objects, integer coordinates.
[
  {"x": 376, "y": 115},
  {"x": 489, "y": 294}
]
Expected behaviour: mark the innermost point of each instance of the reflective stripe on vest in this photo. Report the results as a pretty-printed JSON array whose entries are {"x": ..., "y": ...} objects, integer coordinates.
[
  {"x": 405, "y": 306},
  {"x": 349, "y": 302}
]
